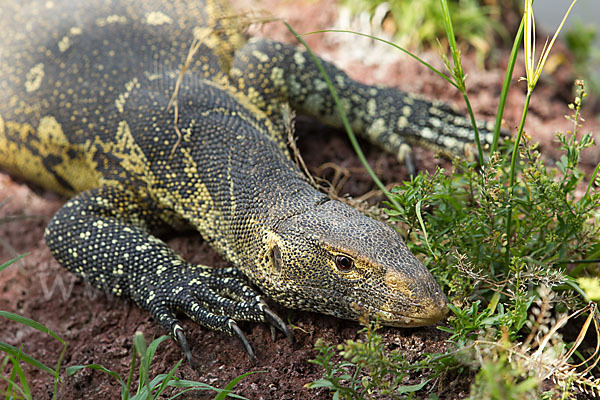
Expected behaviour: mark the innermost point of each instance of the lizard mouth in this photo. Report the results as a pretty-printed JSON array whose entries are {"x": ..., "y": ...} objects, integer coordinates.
[
  {"x": 404, "y": 321},
  {"x": 425, "y": 316}
]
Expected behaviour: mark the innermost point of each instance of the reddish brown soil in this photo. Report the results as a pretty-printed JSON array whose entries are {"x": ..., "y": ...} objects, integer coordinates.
[{"x": 100, "y": 330}]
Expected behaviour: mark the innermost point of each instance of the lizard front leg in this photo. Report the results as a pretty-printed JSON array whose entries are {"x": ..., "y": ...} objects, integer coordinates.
[{"x": 104, "y": 236}]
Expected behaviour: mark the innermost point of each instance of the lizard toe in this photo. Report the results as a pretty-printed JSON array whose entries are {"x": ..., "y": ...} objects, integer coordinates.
[
  {"x": 177, "y": 332},
  {"x": 236, "y": 331},
  {"x": 276, "y": 322},
  {"x": 214, "y": 298}
]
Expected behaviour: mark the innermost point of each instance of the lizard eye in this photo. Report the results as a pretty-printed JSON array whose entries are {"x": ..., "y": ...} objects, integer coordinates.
[{"x": 344, "y": 263}]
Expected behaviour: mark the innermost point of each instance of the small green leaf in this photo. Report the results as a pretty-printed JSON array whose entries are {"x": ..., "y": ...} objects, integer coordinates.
[
  {"x": 412, "y": 388},
  {"x": 31, "y": 323},
  {"x": 24, "y": 389},
  {"x": 97, "y": 367},
  {"x": 16, "y": 353},
  {"x": 225, "y": 392},
  {"x": 10, "y": 262},
  {"x": 320, "y": 383}
]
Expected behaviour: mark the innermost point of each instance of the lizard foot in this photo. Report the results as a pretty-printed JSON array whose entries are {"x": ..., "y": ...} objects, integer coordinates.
[{"x": 213, "y": 297}]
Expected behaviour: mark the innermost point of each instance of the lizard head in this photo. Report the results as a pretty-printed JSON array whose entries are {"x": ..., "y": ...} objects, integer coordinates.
[{"x": 334, "y": 260}]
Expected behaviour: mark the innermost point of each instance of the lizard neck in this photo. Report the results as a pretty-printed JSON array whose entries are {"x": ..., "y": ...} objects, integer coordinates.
[{"x": 240, "y": 190}]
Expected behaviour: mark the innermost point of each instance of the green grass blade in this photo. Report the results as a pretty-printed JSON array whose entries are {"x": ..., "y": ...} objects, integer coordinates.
[
  {"x": 19, "y": 372},
  {"x": 458, "y": 73},
  {"x": 513, "y": 173},
  {"x": 506, "y": 85},
  {"x": 57, "y": 370},
  {"x": 199, "y": 386},
  {"x": 475, "y": 129},
  {"x": 406, "y": 389},
  {"x": 13, "y": 351},
  {"x": 157, "y": 385},
  {"x": 420, "y": 218},
  {"x": 31, "y": 323},
  {"x": 591, "y": 183},
  {"x": 11, "y": 386},
  {"x": 452, "y": 43},
  {"x": 36, "y": 325},
  {"x": 9, "y": 394},
  {"x": 225, "y": 391},
  {"x": 125, "y": 389},
  {"x": 186, "y": 383},
  {"x": 97, "y": 367},
  {"x": 13, "y": 218},
  {"x": 425, "y": 63},
  {"x": 151, "y": 350},
  {"x": 39, "y": 327},
  {"x": 344, "y": 119},
  {"x": 10, "y": 262},
  {"x": 145, "y": 393},
  {"x": 139, "y": 344},
  {"x": 194, "y": 385},
  {"x": 147, "y": 354},
  {"x": 168, "y": 378}
]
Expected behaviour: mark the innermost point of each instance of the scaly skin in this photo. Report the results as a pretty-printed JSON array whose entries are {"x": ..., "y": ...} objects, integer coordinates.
[{"x": 85, "y": 90}]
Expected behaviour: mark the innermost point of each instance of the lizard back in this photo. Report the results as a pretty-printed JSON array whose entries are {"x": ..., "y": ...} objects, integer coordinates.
[{"x": 68, "y": 68}]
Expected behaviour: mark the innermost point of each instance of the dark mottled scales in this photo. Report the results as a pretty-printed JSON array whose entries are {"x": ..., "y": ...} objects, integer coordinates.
[{"x": 85, "y": 89}]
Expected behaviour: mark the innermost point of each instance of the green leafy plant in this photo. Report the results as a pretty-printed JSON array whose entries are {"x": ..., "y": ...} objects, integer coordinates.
[
  {"x": 153, "y": 388},
  {"x": 17, "y": 382},
  {"x": 18, "y": 386},
  {"x": 553, "y": 228},
  {"x": 500, "y": 379},
  {"x": 370, "y": 371},
  {"x": 509, "y": 234}
]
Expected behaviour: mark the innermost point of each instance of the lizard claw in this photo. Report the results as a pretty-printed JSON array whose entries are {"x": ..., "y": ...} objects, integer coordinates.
[
  {"x": 240, "y": 335},
  {"x": 180, "y": 337},
  {"x": 213, "y": 298},
  {"x": 275, "y": 321}
]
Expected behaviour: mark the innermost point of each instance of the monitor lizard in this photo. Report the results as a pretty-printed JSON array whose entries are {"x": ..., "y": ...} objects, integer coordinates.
[{"x": 87, "y": 110}]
